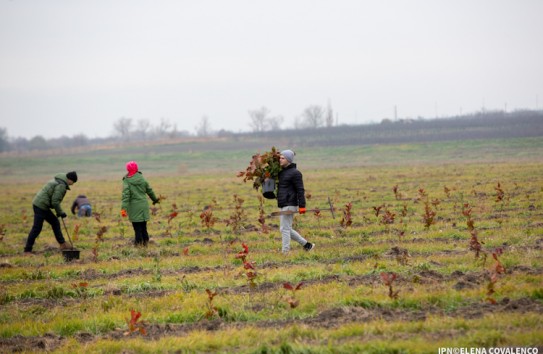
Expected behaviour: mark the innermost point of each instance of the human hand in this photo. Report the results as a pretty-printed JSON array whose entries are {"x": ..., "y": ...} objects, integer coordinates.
[
  {"x": 301, "y": 210},
  {"x": 123, "y": 213},
  {"x": 62, "y": 215}
]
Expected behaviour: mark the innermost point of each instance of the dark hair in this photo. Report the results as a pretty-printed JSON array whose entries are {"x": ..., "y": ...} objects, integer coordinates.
[{"x": 72, "y": 176}]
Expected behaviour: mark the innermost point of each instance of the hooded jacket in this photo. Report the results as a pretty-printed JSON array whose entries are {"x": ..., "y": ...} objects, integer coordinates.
[
  {"x": 290, "y": 189},
  {"x": 134, "y": 197},
  {"x": 52, "y": 194}
]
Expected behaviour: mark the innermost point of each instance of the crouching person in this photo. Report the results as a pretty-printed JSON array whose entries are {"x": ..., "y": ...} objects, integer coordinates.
[{"x": 82, "y": 205}]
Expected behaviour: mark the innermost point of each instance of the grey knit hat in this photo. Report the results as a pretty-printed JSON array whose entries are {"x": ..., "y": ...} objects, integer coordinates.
[{"x": 289, "y": 155}]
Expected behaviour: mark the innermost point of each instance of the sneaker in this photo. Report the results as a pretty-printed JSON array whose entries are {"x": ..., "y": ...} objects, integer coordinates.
[
  {"x": 309, "y": 246},
  {"x": 65, "y": 246}
]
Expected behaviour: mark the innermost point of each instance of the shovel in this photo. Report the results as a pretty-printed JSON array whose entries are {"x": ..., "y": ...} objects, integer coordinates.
[
  {"x": 69, "y": 254},
  {"x": 290, "y": 212}
]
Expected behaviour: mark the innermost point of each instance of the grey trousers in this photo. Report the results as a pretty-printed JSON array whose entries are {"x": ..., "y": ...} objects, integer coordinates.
[{"x": 287, "y": 233}]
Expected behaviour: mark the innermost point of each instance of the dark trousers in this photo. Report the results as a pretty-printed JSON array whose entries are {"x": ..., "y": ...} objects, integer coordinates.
[
  {"x": 40, "y": 216},
  {"x": 142, "y": 237}
]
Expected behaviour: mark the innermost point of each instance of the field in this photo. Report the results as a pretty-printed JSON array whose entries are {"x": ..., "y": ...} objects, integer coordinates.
[{"x": 435, "y": 245}]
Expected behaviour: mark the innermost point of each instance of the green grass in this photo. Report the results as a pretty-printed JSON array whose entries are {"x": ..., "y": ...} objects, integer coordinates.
[
  {"x": 192, "y": 160},
  {"x": 344, "y": 306}
]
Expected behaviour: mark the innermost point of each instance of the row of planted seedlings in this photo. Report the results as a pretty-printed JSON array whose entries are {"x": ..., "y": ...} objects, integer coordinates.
[
  {"x": 383, "y": 217},
  {"x": 162, "y": 272},
  {"x": 234, "y": 295},
  {"x": 207, "y": 293}
]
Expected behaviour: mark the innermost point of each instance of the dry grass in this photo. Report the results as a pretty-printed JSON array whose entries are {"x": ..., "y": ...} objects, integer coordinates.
[{"x": 344, "y": 305}]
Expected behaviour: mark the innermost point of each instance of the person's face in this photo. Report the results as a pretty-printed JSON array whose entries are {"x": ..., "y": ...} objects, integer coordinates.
[
  {"x": 70, "y": 182},
  {"x": 283, "y": 162}
]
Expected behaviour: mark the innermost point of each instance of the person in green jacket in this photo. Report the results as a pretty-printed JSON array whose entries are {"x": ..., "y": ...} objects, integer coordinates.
[
  {"x": 50, "y": 197},
  {"x": 134, "y": 202}
]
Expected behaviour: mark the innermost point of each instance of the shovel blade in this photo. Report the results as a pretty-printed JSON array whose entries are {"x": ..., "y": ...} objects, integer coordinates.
[{"x": 70, "y": 255}]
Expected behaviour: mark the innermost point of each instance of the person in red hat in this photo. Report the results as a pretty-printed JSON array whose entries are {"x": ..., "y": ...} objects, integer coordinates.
[
  {"x": 50, "y": 197},
  {"x": 135, "y": 205}
]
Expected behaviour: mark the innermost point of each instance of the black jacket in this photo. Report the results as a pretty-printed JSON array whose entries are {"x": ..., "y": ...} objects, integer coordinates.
[{"x": 290, "y": 190}]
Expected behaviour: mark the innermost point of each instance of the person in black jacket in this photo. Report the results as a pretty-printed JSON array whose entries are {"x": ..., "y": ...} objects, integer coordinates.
[{"x": 290, "y": 197}]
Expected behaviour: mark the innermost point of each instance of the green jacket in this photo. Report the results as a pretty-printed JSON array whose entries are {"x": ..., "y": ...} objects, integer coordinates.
[
  {"x": 134, "y": 198},
  {"x": 52, "y": 193}
]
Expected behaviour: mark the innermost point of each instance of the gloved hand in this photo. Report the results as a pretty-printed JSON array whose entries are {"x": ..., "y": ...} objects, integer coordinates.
[
  {"x": 62, "y": 215},
  {"x": 123, "y": 213},
  {"x": 156, "y": 202},
  {"x": 301, "y": 210}
]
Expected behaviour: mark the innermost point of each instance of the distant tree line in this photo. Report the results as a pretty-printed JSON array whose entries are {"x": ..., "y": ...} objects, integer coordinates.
[
  {"x": 487, "y": 125},
  {"x": 315, "y": 126},
  {"x": 312, "y": 117},
  {"x": 125, "y": 130},
  {"x": 128, "y": 129}
]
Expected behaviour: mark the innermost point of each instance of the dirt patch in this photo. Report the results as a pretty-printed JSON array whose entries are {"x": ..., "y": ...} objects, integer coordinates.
[
  {"x": 91, "y": 274},
  {"x": 525, "y": 270},
  {"x": 464, "y": 281},
  {"x": 469, "y": 281},
  {"x": 331, "y": 318},
  {"x": 84, "y": 337},
  {"x": 18, "y": 343}
]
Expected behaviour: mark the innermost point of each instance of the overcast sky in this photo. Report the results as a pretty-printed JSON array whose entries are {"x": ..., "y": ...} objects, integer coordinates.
[{"x": 77, "y": 66}]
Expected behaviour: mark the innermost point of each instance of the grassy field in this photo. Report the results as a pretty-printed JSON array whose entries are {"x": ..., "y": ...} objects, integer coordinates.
[
  {"x": 226, "y": 157},
  {"x": 434, "y": 245}
]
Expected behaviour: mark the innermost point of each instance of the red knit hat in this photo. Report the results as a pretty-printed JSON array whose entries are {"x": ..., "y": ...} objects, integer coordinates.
[{"x": 132, "y": 168}]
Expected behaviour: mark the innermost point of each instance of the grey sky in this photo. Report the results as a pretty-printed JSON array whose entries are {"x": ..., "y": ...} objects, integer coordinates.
[{"x": 74, "y": 66}]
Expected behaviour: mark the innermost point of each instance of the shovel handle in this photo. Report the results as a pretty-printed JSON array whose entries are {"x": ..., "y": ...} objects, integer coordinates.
[{"x": 67, "y": 233}]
